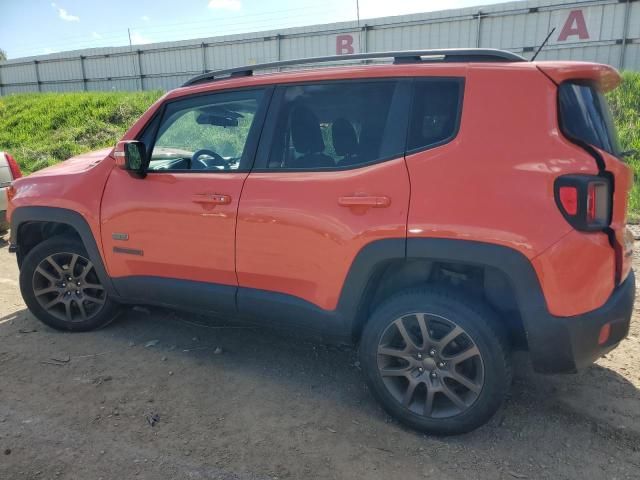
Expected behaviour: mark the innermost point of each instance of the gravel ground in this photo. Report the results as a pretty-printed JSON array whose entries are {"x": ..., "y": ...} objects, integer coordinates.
[{"x": 165, "y": 395}]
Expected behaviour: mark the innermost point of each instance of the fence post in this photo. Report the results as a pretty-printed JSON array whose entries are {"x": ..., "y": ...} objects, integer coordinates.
[
  {"x": 478, "y": 31},
  {"x": 138, "y": 54},
  {"x": 278, "y": 46},
  {"x": 365, "y": 36},
  {"x": 204, "y": 57},
  {"x": 35, "y": 65},
  {"x": 1, "y": 93},
  {"x": 625, "y": 33},
  {"x": 84, "y": 76}
]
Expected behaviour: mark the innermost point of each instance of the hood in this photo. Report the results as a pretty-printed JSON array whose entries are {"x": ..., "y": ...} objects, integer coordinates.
[{"x": 78, "y": 164}]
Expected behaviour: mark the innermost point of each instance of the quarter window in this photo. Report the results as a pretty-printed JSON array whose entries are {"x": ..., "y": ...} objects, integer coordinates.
[
  {"x": 206, "y": 133},
  {"x": 435, "y": 114},
  {"x": 336, "y": 125},
  {"x": 585, "y": 116}
]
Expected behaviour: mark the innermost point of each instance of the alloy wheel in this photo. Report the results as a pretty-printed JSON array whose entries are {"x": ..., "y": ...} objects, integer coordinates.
[
  {"x": 430, "y": 365},
  {"x": 66, "y": 286}
]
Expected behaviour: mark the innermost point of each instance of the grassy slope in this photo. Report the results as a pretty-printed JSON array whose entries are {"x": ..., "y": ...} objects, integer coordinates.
[
  {"x": 625, "y": 105},
  {"x": 42, "y": 129}
]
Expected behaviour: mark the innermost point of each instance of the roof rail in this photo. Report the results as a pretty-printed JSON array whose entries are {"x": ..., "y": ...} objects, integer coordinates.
[{"x": 399, "y": 57}]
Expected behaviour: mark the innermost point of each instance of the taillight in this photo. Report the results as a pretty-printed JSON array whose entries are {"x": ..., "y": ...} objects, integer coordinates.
[
  {"x": 584, "y": 201},
  {"x": 569, "y": 199},
  {"x": 13, "y": 166}
]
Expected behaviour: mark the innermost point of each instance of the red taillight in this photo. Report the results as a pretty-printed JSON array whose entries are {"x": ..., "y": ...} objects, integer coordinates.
[
  {"x": 569, "y": 199},
  {"x": 13, "y": 166},
  {"x": 584, "y": 201}
]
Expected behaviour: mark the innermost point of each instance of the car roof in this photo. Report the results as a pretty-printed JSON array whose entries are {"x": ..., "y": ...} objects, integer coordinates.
[
  {"x": 404, "y": 63},
  {"x": 443, "y": 55},
  {"x": 605, "y": 76}
]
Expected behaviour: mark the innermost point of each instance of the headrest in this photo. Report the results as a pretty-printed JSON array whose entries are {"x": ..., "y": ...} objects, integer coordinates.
[
  {"x": 305, "y": 131},
  {"x": 345, "y": 140}
]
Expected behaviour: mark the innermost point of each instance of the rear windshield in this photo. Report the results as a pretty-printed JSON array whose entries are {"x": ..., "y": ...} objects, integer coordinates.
[{"x": 585, "y": 116}]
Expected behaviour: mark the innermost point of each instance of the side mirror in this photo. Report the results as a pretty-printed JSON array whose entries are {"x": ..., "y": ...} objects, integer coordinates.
[{"x": 130, "y": 156}]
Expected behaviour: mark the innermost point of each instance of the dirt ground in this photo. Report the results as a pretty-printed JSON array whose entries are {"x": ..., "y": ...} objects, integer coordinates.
[{"x": 237, "y": 402}]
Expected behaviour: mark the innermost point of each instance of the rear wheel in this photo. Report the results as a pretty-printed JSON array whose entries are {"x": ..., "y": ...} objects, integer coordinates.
[
  {"x": 60, "y": 286},
  {"x": 436, "y": 361}
]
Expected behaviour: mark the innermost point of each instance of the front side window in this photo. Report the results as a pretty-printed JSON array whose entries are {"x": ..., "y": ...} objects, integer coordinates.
[
  {"x": 585, "y": 116},
  {"x": 206, "y": 133},
  {"x": 335, "y": 125}
]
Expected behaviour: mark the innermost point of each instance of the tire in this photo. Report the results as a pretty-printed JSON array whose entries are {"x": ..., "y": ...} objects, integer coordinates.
[
  {"x": 429, "y": 385},
  {"x": 78, "y": 305}
]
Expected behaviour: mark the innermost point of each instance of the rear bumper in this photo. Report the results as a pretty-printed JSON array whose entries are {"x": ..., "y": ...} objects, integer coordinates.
[{"x": 573, "y": 341}]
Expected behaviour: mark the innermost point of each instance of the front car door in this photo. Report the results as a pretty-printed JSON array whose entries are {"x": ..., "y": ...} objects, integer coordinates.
[
  {"x": 169, "y": 238},
  {"x": 330, "y": 178}
]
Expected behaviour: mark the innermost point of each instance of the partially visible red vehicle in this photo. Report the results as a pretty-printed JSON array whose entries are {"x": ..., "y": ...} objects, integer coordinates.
[
  {"x": 9, "y": 171},
  {"x": 440, "y": 212}
]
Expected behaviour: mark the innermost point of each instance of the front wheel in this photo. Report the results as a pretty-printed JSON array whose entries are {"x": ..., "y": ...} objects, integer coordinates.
[
  {"x": 60, "y": 286},
  {"x": 436, "y": 361}
]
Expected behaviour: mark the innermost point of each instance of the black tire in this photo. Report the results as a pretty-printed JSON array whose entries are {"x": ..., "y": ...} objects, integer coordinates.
[
  {"x": 480, "y": 328},
  {"x": 85, "y": 314}
]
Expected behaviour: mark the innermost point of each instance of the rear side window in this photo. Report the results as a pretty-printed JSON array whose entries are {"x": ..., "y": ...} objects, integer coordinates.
[
  {"x": 585, "y": 116},
  {"x": 435, "y": 113},
  {"x": 336, "y": 125}
]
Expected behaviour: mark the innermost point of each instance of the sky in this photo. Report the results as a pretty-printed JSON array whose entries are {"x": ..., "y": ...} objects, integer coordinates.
[{"x": 36, "y": 27}]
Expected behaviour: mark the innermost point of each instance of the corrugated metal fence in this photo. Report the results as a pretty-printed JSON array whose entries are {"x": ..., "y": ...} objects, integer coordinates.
[{"x": 606, "y": 31}]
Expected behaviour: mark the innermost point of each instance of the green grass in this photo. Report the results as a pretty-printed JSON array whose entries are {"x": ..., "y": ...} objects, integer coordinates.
[
  {"x": 625, "y": 106},
  {"x": 43, "y": 129}
]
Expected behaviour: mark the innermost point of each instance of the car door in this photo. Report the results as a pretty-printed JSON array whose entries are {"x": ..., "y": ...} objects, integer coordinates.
[
  {"x": 169, "y": 237},
  {"x": 329, "y": 179}
]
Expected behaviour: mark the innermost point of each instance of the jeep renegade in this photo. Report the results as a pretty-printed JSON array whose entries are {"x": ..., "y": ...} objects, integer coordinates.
[{"x": 440, "y": 212}]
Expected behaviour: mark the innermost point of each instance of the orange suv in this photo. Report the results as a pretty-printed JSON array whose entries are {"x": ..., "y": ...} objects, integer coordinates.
[{"x": 440, "y": 211}]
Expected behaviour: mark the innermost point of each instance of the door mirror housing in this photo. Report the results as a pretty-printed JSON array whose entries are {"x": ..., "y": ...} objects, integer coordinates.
[{"x": 130, "y": 155}]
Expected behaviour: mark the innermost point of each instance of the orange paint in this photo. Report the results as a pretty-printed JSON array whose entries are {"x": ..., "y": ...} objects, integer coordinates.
[{"x": 299, "y": 232}]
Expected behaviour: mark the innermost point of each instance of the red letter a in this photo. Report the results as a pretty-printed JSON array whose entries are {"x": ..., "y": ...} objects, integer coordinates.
[{"x": 575, "y": 25}]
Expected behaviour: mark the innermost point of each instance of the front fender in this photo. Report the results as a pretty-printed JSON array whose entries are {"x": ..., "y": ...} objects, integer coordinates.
[{"x": 23, "y": 215}]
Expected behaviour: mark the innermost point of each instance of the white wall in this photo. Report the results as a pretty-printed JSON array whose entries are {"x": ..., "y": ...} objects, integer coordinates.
[{"x": 606, "y": 31}]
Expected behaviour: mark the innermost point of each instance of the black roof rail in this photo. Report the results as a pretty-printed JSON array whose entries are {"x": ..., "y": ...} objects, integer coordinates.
[{"x": 399, "y": 57}]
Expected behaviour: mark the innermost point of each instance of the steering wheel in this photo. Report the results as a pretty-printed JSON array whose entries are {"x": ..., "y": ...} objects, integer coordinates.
[{"x": 215, "y": 161}]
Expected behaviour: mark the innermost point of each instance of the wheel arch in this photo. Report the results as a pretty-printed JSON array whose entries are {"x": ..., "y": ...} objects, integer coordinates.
[
  {"x": 386, "y": 259},
  {"x": 34, "y": 224}
]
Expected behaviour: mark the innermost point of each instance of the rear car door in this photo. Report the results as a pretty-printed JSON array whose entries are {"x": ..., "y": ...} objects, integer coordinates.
[
  {"x": 330, "y": 178},
  {"x": 169, "y": 238}
]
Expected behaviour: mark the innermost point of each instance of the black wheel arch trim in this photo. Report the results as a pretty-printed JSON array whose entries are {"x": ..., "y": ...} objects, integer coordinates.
[
  {"x": 544, "y": 333},
  {"x": 23, "y": 215},
  {"x": 548, "y": 344},
  {"x": 549, "y": 338}
]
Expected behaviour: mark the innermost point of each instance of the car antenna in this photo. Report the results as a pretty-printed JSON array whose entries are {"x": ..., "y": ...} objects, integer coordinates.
[{"x": 543, "y": 44}]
